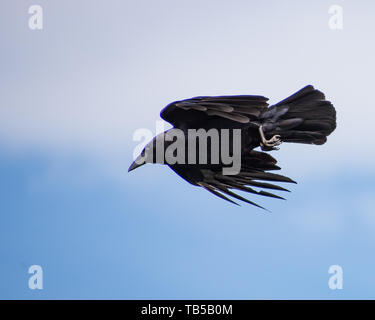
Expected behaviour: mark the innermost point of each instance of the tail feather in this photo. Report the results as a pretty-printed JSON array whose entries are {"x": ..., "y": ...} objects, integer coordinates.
[{"x": 304, "y": 117}]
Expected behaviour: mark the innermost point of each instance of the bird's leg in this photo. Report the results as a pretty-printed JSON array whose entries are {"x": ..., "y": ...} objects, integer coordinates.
[{"x": 268, "y": 144}]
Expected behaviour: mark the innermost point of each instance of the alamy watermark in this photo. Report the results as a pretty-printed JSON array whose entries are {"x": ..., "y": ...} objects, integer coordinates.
[
  {"x": 336, "y": 279},
  {"x": 36, "y": 280},
  {"x": 336, "y": 20},
  {"x": 192, "y": 146},
  {"x": 36, "y": 18}
]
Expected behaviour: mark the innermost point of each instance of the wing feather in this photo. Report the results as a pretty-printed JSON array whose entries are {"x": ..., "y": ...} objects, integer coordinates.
[
  {"x": 192, "y": 112},
  {"x": 253, "y": 174}
]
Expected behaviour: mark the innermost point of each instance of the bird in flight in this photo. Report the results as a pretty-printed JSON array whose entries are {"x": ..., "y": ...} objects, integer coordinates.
[{"x": 304, "y": 117}]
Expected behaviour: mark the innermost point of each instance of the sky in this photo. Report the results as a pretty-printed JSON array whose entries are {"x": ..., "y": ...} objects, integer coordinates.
[{"x": 73, "y": 93}]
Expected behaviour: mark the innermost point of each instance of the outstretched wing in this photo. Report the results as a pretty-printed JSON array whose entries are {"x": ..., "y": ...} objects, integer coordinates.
[
  {"x": 253, "y": 174},
  {"x": 195, "y": 111}
]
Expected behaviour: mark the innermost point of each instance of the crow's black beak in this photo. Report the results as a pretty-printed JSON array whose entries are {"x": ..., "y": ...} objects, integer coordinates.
[{"x": 137, "y": 163}]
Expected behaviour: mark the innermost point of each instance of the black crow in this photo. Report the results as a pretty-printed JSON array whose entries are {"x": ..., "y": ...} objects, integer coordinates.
[{"x": 304, "y": 117}]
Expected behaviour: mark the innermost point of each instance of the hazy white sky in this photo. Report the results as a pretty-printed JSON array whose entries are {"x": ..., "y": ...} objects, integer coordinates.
[{"x": 100, "y": 70}]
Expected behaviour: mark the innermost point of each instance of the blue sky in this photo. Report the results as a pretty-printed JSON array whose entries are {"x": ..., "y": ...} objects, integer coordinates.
[{"x": 71, "y": 96}]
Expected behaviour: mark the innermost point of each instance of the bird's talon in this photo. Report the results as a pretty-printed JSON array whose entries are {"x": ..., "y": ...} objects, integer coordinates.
[{"x": 273, "y": 142}]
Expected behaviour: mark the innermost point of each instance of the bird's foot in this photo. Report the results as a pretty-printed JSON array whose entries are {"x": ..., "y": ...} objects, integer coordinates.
[
  {"x": 270, "y": 144},
  {"x": 273, "y": 142}
]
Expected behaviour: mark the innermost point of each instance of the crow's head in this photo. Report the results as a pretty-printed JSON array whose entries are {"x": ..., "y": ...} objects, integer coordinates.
[{"x": 150, "y": 152}]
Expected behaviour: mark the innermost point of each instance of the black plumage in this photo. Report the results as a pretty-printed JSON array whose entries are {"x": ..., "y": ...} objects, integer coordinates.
[{"x": 304, "y": 117}]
